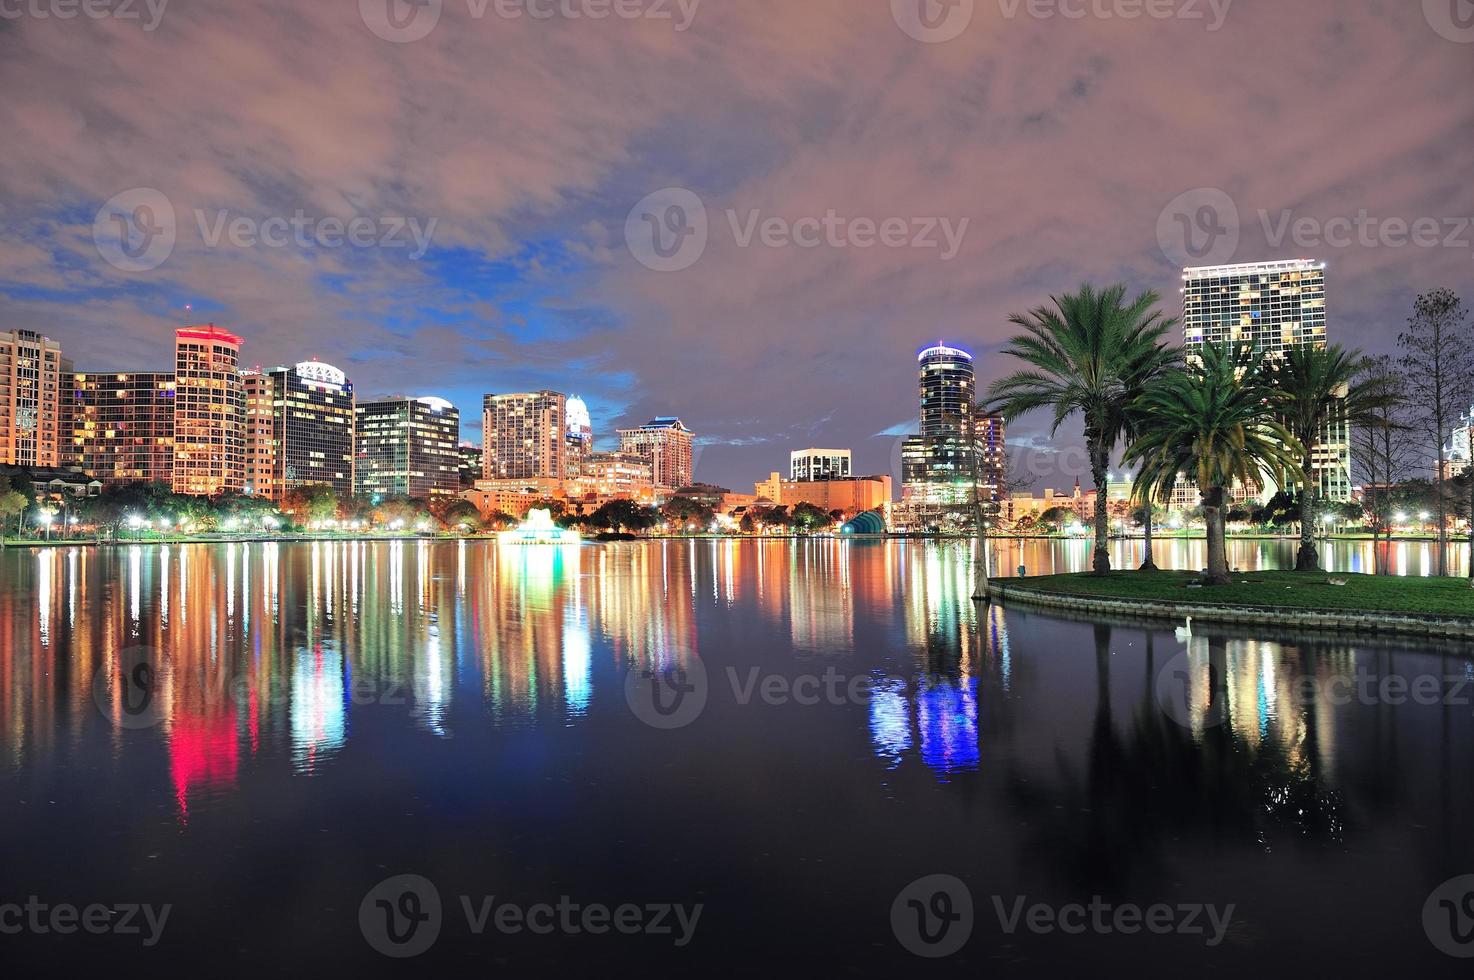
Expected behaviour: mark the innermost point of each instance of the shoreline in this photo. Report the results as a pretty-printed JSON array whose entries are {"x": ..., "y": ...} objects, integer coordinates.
[{"x": 1380, "y": 623}]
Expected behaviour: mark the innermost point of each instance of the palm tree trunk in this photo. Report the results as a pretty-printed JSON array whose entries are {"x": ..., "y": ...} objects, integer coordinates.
[
  {"x": 1308, "y": 558},
  {"x": 1217, "y": 538},
  {"x": 1149, "y": 565},
  {"x": 1098, "y": 463}
]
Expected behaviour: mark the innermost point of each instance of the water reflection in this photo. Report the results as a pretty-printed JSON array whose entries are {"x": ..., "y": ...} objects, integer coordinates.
[{"x": 280, "y": 655}]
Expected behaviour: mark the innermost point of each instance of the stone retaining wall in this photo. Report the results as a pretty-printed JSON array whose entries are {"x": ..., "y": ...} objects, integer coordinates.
[{"x": 1384, "y": 624}]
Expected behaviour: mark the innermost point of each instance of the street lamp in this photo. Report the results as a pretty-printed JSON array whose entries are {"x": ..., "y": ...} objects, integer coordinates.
[{"x": 46, "y": 517}]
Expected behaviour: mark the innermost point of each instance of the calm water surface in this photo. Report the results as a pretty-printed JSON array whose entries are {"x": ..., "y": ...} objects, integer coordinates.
[{"x": 260, "y": 735}]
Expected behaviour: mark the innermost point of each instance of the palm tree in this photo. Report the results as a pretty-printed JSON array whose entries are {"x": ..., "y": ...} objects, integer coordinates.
[
  {"x": 1214, "y": 422},
  {"x": 1316, "y": 388},
  {"x": 1082, "y": 353},
  {"x": 1148, "y": 366}
]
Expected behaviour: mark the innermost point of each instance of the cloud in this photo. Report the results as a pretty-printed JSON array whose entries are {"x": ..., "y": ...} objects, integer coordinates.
[{"x": 1059, "y": 141}]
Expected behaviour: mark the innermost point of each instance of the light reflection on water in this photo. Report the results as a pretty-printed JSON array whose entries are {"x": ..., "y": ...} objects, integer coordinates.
[{"x": 477, "y": 671}]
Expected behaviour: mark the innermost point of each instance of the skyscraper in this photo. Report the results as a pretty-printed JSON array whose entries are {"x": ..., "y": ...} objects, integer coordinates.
[
  {"x": 31, "y": 371},
  {"x": 1272, "y": 306},
  {"x": 122, "y": 426},
  {"x": 209, "y": 412},
  {"x": 407, "y": 447},
  {"x": 525, "y": 436},
  {"x": 667, "y": 443},
  {"x": 299, "y": 429},
  {"x": 580, "y": 436}
]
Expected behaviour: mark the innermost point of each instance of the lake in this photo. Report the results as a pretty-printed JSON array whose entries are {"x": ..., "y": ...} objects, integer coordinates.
[{"x": 730, "y": 757}]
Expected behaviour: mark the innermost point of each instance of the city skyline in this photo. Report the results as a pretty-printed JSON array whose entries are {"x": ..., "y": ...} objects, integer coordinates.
[{"x": 527, "y": 277}]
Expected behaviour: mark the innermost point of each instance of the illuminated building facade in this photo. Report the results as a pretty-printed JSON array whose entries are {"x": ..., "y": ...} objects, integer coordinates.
[
  {"x": 580, "y": 436},
  {"x": 1272, "y": 306},
  {"x": 1459, "y": 452},
  {"x": 615, "y": 476},
  {"x": 851, "y": 494},
  {"x": 209, "y": 412},
  {"x": 471, "y": 463},
  {"x": 122, "y": 426},
  {"x": 407, "y": 447},
  {"x": 31, "y": 404},
  {"x": 954, "y": 442},
  {"x": 299, "y": 430},
  {"x": 820, "y": 464},
  {"x": 667, "y": 443},
  {"x": 525, "y": 436}
]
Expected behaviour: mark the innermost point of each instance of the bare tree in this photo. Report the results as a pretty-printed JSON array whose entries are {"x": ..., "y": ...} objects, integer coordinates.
[
  {"x": 1380, "y": 446},
  {"x": 1438, "y": 367}
]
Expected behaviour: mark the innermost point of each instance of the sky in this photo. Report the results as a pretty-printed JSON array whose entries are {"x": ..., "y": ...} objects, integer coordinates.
[{"x": 747, "y": 213}]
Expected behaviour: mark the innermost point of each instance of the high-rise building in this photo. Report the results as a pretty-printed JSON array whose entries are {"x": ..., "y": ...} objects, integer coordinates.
[
  {"x": 471, "y": 464},
  {"x": 667, "y": 443},
  {"x": 580, "y": 436},
  {"x": 299, "y": 430},
  {"x": 31, "y": 373},
  {"x": 122, "y": 426},
  {"x": 525, "y": 436},
  {"x": 1272, "y": 306},
  {"x": 819, "y": 464},
  {"x": 407, "y": 447},
  {"x": 937, "y": 464},
  {"x": 209, "y": 412},
  {"x": 1459, "y": 453}
]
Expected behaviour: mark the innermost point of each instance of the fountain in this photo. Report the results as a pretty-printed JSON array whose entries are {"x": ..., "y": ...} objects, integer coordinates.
[{"x": 538, "y": 528}]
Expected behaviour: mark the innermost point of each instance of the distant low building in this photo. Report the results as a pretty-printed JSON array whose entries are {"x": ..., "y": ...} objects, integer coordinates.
[{"x": 852, "y": 495}]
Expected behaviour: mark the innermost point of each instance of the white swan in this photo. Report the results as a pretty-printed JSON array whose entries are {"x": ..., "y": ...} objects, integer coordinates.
[{"x": 1185, "y": 633}]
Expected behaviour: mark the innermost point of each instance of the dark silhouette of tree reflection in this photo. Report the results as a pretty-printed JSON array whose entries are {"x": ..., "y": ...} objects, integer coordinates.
[{"x": 1150, "y": 786}]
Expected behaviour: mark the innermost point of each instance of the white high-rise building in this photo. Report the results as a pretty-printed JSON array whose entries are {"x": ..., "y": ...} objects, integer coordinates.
[{"x": 1273, "y": 306}]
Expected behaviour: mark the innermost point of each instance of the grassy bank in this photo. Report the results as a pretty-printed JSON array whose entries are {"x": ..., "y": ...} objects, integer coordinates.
[{"x": 1277, "y": 590}]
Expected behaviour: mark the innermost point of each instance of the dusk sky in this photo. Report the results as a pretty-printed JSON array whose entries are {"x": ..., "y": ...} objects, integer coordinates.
[{"x": 1053, "y": 148}]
